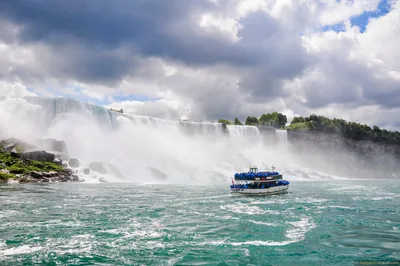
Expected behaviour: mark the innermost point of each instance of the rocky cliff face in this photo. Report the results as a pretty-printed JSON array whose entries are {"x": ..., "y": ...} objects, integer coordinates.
[
  {"x": 333, "y": 141},
  {"x": 361, "y": 158}
]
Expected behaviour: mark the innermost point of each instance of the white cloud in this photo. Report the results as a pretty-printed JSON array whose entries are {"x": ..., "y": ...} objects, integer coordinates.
[
  {"x": 14, "y": 89},
  {"x": 243, "y": 58}
]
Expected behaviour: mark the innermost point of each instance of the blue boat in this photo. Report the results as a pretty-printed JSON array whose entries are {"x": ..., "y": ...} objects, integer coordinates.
[{"x": 259, "y": 183}]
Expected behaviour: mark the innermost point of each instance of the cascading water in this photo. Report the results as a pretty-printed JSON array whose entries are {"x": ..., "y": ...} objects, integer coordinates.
[
  {"x": 140, "y": 148},
  {"x": 123, "y": 147},
  {"x": 250, "y": 132},
  {"x": 282, "y": 136}
]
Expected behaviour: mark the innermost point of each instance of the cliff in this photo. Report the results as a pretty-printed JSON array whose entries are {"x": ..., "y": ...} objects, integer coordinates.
[{"x": 343, "y": 156}]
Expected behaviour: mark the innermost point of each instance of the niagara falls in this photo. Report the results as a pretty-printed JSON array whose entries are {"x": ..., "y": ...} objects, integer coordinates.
[{"x": 209, "y": 132}]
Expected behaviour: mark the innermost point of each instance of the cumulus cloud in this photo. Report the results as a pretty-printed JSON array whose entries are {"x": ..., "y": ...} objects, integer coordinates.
[{"x": 206, "y": 59}]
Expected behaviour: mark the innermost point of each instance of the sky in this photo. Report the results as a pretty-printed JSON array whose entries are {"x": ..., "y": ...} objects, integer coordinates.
[{"x": 208, "y": 59}]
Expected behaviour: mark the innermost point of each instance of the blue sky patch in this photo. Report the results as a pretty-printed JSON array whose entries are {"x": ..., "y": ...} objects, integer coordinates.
[
  {"x": 362, "y": 20},
  {"x": 338, "y": 27}
]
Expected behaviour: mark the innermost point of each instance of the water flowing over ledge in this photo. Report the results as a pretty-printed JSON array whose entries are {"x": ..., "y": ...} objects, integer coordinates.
[
  {"x": 139, "y": 147},
  {"x": 132, "y": 148}
]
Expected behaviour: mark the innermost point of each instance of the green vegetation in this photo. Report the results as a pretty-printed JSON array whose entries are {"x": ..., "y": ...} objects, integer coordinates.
[
  {"x": 19, "y": 148},
  {"x": 251, "y": 121},
  {"x": 349, "y": 130},
  {"x": 224, "y": 121},
  {"x": 5, "y": 176},
  {"x": 237, "y": 121},
  {"x": 276, "y": 120},
  {"x": 18, "y": 166}
]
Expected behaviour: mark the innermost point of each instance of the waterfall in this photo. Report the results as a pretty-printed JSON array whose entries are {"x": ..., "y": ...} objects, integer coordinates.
[
  {"x": 140, "y": 148},
  {"x": 282, "y": 136},
  {"x": 248, "y": 132}
]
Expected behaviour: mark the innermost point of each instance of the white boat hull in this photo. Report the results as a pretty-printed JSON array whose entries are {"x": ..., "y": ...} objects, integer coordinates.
[{"x": 261, "y": 191}]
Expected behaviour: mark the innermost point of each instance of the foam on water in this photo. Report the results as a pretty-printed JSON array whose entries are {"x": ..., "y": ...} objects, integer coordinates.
[{"x": 117, "y": 224}]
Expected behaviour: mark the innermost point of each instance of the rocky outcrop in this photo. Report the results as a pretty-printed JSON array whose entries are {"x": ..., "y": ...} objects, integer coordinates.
[
  {"x": 62, "y": 176},
  {"x": 42, "y": 156},
  {"x": 21, "y": 162},
  {"x": 74, "y": 163},
  {"x": 15, "y": 144},
  {"x": 38, "y": 177},
  {"x": 52, "y": 145}
]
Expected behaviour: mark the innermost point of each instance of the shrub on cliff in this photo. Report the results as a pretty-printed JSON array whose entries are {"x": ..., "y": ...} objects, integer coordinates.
[{"x": 224, "y": 121}]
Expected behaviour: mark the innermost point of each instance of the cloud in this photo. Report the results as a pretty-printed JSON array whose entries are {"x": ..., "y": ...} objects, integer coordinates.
[{"x": 205, "y": 59}]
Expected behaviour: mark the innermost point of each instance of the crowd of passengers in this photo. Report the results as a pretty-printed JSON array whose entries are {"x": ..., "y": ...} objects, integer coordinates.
[{"x": 256, "y": 185}]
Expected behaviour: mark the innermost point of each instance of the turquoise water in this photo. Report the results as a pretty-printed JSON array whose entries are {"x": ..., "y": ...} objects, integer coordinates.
[{"x": 317, "y": 223}]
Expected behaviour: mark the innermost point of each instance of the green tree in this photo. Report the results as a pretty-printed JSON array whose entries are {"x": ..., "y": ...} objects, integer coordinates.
[
  {"x": 251, "y": 120},
  {"x": 298, "y": 119},
  {"x": 276, "y": 120},
  {"x": 237, "y": 121}
]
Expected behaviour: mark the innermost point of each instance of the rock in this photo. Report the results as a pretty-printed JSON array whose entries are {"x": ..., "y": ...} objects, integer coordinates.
[
  {"x": 105, "y": 168},
  {"x": 2, "y": 165},
  {"x": 10, "y": 147},
  {"x": 86, "y": 171},
  {"x": 58, "y": 162},
  {"x": 157, "y": 174},
  {"x": 74, "y": 163},
  {"x": 35, "y": 155},
  {"x": 5, "y": 171},
  {"x": 9, "y": 144},
  {"x": 37, "y": 175},
  {"x": 50, "y": 174},
  {"x": 98, "y": 167},
  {"x": 12, "y": 181},
  {"x": 26, "y": 179},
  {"x": 67, "y": 171},
  {"x": 102, "y": 179},
  {"x": 74, "y": 178},
  {"x": 53, "y": 145},
  {"x": 63, "y": 156}
]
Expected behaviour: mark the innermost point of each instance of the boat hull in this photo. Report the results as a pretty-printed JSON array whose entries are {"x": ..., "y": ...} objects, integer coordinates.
[{"x": 261, "y": 191}]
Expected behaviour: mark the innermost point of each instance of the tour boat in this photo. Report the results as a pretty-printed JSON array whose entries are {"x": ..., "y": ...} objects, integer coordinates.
[{"x": 259, "y": 183}]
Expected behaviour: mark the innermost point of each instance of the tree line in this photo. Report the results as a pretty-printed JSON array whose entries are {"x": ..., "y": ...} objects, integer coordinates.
[
  {"x": 349, "y": 130},
  {"x": 276, "y": 120}
]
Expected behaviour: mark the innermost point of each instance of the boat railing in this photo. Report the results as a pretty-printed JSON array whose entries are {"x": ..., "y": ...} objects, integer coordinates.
[
  {"x": 268, "y": 178},
  {"x": 256, "y": 181}
]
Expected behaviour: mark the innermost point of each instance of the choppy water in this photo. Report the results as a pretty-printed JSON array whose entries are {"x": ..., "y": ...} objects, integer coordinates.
[{"x": 317, "y": 223}]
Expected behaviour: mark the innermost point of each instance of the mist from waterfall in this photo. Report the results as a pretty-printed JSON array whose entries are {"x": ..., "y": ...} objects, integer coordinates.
[{"x": 143, "y": 149}]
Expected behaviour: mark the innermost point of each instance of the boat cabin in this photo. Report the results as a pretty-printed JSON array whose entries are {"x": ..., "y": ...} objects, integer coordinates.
[{"x": 254, "y": 170}]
